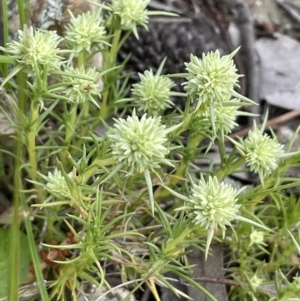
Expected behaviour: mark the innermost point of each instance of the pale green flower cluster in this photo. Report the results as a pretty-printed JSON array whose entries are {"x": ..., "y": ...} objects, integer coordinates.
[
  {"x": 255, "y": 282},
  {"x": 261, "y": 152},
  {"x": 212, "y": 204},
  {"x": 140, "y": 144},
  {"x": 36, "y": 50},
  {"x": 296, "y": 282},
  {"x": 82, "y": 89},
  {"x": 224, "y": 118},
  {"x": 257, "y": 238},
  {"x": 131, "y": 13},
  {"x": 85, "y": 30},
  {"x": 152, "y": 93},
  {"x": 212, "y": 78},
  {"x": 57, "y": 184}
]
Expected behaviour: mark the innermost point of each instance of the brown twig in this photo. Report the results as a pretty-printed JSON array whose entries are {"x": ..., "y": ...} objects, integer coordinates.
[{"x": 270, "y": 123}]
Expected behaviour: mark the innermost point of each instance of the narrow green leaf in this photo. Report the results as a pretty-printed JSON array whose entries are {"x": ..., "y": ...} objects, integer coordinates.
[{"x": 5, "y": 270}]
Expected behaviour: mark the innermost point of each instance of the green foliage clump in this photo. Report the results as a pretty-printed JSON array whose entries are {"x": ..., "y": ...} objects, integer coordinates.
[{"x": 89, "y": 201}]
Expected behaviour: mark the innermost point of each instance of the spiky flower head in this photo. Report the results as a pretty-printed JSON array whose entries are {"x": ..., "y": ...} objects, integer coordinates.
[
  {"x": 255, "y": 282},
  {"x": 261, "y": 152},
  {"x": 152, "y": 93},
  {"x": 211, "y": 205},
  {"x": 212, "y": 78},
  {"x": 131, "y": 13},
  {"x": 296, "y": 282},
  {"x": 224, "y": 116},
  {"x": 36, "y": 50},
  {"x": 257, "y": 238},
  {"x": 85, "y": 30},
  {"x": 140, "y": 144},
  {"x": 82, "y": 89},
  {"x": 57, "y": 185}
]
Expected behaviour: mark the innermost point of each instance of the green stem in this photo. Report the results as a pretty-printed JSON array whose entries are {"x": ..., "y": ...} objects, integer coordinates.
[
  {"x": 226, "y": 169},
  {"x": 123, "y": 40},
  {"x": 173, "y": 246},
  {"x": 34, "y": 254},
  {"x": 187, "y": 118},
  {"x": 81, "y": 59},
  {"x": 83, "y": 127},
  {"x": 94, "y": 167},
  {"x": 85, "y": 105},
  {"x": 85, "y": 116},
  {"x": 103, "y": 112},
  {"x": 21, "y": 12},
  {"x": 193, "y": 142},
  {"x": 114, "y": 47},
  {"x": 81, "y": 179},
  {"x": 70, "y": 128},
  {"x": 110, "y": 62},
  {"x": 15, "y": 232},
  {"x": 5, "y": 32},
  {"x": 14, "y": 257},
  {"x": 34, "y": 116}
]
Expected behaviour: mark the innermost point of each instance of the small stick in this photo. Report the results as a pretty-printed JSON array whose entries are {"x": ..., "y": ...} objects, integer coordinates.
[{"x": 270, "y": 123}]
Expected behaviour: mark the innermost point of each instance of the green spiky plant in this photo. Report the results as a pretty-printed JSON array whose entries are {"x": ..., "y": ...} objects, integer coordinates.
[{"x": 82, "y": 201}]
